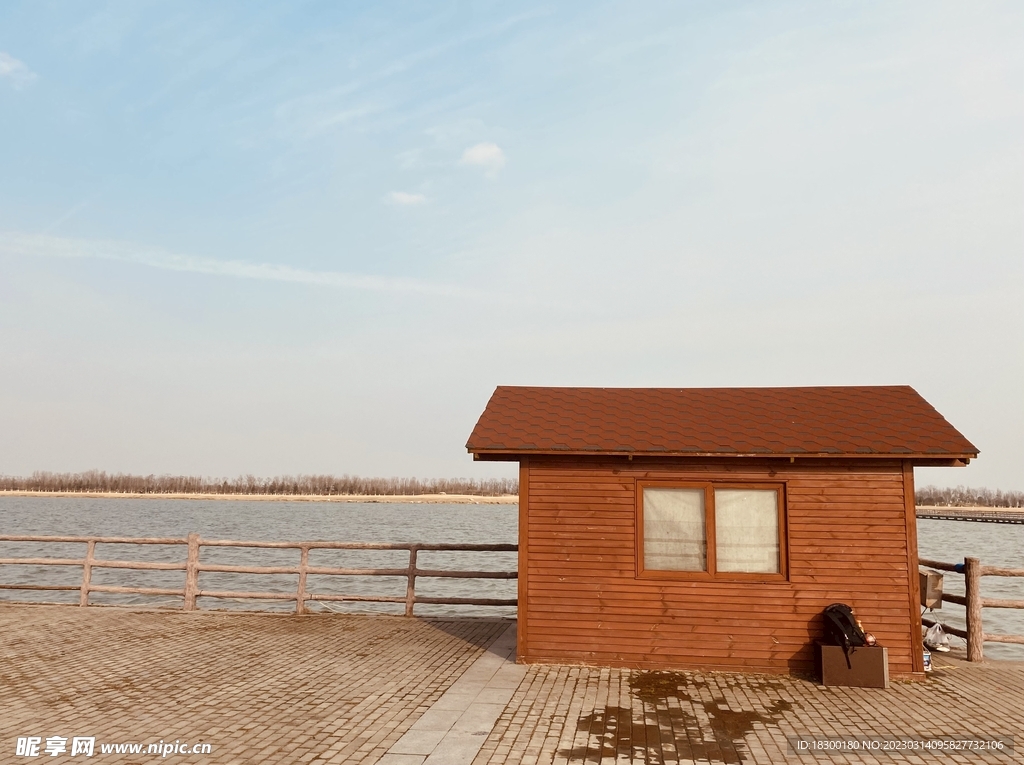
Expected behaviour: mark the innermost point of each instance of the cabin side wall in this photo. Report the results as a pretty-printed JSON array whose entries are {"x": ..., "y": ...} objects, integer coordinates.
[{"x": 850, "y": 540}]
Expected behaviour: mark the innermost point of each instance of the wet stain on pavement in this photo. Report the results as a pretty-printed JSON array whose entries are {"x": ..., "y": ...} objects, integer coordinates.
[{"x": 677, "y": 717}]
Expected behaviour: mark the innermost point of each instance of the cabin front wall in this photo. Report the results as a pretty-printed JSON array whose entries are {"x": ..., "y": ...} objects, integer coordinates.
[{"x": 851, "y": 538}]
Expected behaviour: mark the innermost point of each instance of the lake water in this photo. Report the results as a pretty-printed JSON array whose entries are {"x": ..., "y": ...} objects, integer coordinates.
[
  {"x": 264, "y": 521},
  {"x": 995, "y": 544},
  {"x": 951, "y": 541}
]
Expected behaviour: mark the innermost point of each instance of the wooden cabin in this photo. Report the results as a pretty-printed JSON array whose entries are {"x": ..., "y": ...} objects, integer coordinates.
[{"x": 709, "y": 527}]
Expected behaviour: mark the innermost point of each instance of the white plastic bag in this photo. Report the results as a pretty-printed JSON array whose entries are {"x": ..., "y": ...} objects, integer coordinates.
[{"x": 936, "y": 638}]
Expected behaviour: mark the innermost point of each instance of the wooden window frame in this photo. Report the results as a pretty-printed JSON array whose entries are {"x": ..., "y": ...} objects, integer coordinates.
[{"x": 711, "y": 574}]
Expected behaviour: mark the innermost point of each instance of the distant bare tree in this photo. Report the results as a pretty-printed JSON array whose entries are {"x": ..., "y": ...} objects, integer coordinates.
[
  {"x": 962, "y": 496},
  {"x": 316, "y": 485}
]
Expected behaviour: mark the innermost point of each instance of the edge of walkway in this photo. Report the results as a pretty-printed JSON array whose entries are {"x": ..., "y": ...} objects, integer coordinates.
[{"x": 455, "y": 727}]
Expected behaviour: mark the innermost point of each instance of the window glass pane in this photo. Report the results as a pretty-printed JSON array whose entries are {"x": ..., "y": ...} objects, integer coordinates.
[
  {"x": 674, "y": 538},
  {"x": 747, "y": 530}
]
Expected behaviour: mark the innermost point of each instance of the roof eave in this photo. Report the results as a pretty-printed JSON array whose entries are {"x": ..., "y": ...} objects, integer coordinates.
[{"x": 952, "y": 459}]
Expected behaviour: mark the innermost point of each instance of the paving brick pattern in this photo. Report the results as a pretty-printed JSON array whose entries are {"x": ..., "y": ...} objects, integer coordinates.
[
  {"x": 454, "y": 728},
  {"x": 260, "y": 688},
  {"x": 567, "y": 715},
  {"x": 269, "y": 688}
]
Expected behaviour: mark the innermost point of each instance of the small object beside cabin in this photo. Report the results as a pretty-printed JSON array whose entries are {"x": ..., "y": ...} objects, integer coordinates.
[
  {"x": 860, "y": 667},
  {"x": 931, "y": 588}
]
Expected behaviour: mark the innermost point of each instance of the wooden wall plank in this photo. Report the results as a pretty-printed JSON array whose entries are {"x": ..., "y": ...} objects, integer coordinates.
[{"x": 581, "y": 600}]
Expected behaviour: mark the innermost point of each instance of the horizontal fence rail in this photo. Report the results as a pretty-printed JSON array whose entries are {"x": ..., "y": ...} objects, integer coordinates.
[
  {"x": 193, "y": 567},
  {"x": 975, "y": 635}
]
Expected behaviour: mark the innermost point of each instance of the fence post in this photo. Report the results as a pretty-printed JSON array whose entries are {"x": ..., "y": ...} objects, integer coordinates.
[
  {"x": 410, "y": 590},
  {"x": 300, "y": 593},
  {"x": 192, "y": 572},
  {"x": 90, "y": 549},
  {"x": 975, "y": 633}
]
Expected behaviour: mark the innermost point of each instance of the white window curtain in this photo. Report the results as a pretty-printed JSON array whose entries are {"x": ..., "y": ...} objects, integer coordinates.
[
  {"x": 674, "y": 535},
  {"x": 747, "y": 530}
]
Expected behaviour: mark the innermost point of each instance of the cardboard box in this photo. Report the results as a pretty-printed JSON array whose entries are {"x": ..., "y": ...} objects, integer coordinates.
[
  {"x": 868, "y": 666},
  {"x": 931, "y": 589}
]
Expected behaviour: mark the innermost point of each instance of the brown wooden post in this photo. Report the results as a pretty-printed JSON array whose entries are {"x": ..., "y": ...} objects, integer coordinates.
[
  {"x": 522, "y": 562},
  {"x": 90, "y": 550},
  {"x": 300, "y": 594},
  {"x": 975, "y": 633},
  {"x": 914, "y": 590},
  {"x": 410, "y": 590},
  {"x": 192, "y": 572}
]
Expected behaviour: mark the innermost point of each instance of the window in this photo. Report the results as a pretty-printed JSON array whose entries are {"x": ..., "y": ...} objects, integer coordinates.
[{"x": 720, "y": 531}]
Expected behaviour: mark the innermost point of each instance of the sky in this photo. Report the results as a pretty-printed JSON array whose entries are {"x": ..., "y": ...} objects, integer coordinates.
[{"x": 302, "y": 237}]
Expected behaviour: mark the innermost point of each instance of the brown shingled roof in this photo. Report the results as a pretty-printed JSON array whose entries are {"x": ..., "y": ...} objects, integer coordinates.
[{"x": 876, "y": 421}]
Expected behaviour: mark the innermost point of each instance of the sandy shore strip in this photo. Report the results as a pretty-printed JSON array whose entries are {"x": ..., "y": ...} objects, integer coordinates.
[{"x": 426, "y": 499}]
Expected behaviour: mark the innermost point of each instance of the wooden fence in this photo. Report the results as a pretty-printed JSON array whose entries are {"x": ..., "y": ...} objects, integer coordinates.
[
  {"x": 193, "y": 567},
  {"x": 975, "y": 635}
]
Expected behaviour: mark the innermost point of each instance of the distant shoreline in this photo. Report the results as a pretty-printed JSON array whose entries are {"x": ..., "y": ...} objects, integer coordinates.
[{"x": 426, "y": 499}]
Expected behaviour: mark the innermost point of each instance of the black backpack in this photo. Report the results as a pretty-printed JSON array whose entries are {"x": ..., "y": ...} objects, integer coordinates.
[{"x": 841, "y": 629}]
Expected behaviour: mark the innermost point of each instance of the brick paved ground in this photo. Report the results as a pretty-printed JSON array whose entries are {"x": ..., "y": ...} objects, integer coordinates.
[
  {"x": 260, "y": 688},
  {"x": 587, "y": 715},
  {"x": 264, "y": 688}
]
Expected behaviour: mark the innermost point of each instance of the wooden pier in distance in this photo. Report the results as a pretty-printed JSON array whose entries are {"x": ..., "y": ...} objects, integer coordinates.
[{"x": 985, "y": 515}]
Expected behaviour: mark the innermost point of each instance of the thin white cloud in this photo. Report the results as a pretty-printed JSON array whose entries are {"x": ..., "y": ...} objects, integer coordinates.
[
  {"x": 405, "y": 198},
  {"x": 14, "y": 70},
  {"x": 69, "y": 214},
  {"x": 325, "y": 123},
  {"x": 41, "y": 245},
  {"x": 408, "y": 159},
  {"x": 486, "y": 155}
]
